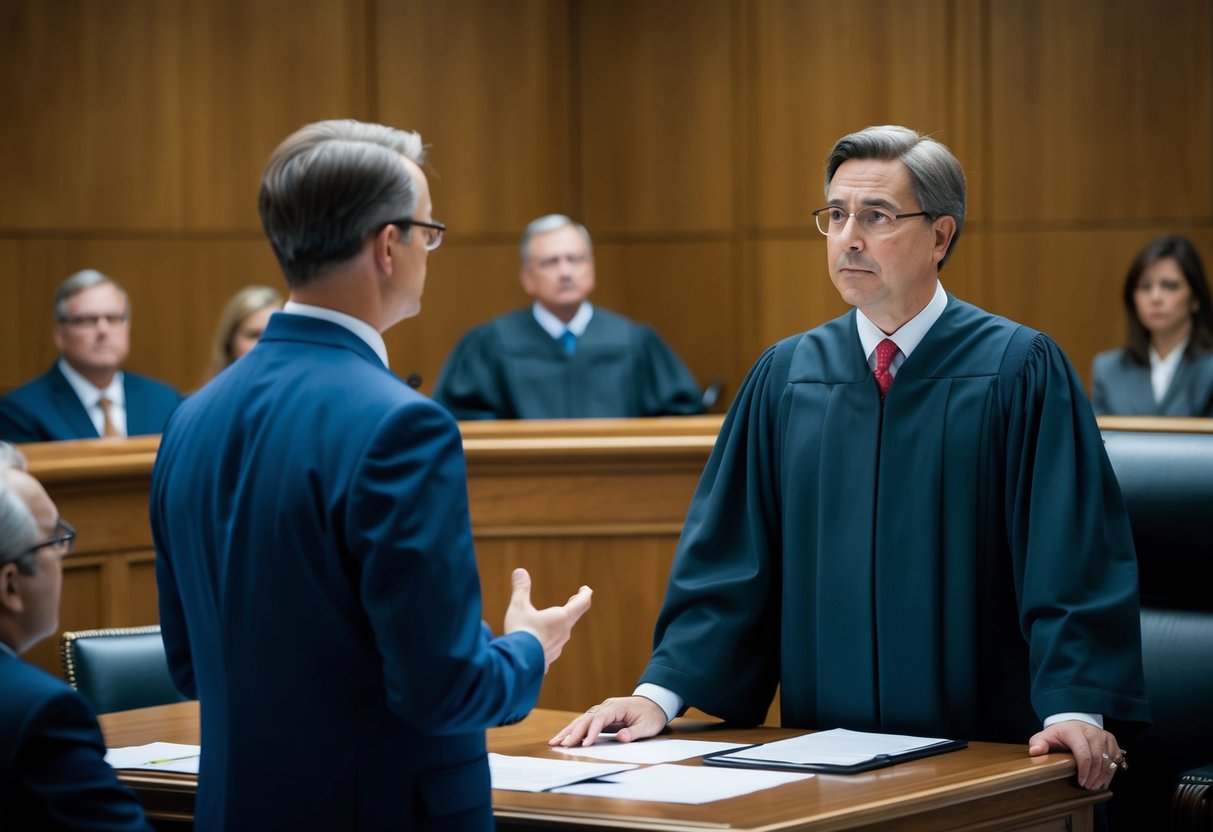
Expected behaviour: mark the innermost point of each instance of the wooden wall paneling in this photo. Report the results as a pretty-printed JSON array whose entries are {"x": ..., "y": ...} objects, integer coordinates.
[
  {"x": 1100, "y": 111},
  {"x": 84, "y": 604},
  {"x": 656, "y": 118},
  {"x": 684, "y": 290},
  {"x": 252, "y": 73},
  {"x": 91, "y": 99},
  {"x": 25, "y": 347},
  {"x": 612, "y": 643},
  {"x": 488, "y": 85},
  {"x": 1068, "y": 284},
  {"x": 821, "y": 70},
  {"x": 792, "y": 278},
  {"x": 465, "y": 285}
]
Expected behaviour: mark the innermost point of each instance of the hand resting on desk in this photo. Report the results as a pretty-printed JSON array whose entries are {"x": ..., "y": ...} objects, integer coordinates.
[{"x": 633, "y": 717}]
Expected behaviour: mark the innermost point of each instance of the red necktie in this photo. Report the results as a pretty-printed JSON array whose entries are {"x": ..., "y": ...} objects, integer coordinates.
[{"x": 885, "y": 351}]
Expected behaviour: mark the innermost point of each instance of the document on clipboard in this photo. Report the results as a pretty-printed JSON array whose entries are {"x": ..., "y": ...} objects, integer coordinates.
[{"x": 839, "y": 751}]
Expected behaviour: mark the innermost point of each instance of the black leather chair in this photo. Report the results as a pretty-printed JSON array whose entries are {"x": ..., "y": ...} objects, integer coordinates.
[
  {"x": 118, "y": 669},
  {"x": 1167, "y": 482}
]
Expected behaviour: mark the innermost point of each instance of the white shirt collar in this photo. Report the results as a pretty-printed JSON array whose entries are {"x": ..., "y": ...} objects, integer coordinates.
[
  {"x": 1162, "y": 370},
  {"x": 90, "y": 396},
  {"x": 555, "y": 327},
  {"x": 357, "y": 326},
  {"x": 88, "y": 392},
  {"x": 908, "y": 337}
]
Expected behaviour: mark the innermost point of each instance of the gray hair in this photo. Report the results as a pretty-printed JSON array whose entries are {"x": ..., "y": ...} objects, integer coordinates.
[
  {"x": 937, "y": 177},
  {"x": 329, "y": 185},
  {"x": 546, "y": 223},
  {"x": 18, "y": 528},
  {"x": 78, "y": 282}
]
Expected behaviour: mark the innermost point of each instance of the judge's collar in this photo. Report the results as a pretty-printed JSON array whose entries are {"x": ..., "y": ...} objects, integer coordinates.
[
  {"x": 910, "y": 334},
  {"x": 555, "y": 327}
]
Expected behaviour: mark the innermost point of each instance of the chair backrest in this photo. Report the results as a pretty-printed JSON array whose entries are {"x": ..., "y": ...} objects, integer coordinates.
[
  {"x": 118, "y": 669},
  {"x": 1167, "y": 483}
]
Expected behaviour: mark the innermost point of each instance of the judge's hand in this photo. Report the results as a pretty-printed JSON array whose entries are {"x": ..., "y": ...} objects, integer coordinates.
[
  {"x": 1096, "y": 752},
  {"x": 551, "y": 626},
  {"x": 634, "y": 717}
]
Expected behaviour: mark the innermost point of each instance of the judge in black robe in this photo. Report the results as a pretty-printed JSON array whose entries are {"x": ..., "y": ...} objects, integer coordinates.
[
  {"x": 955, "y": 563},
  {"x": 563, "y": 358},
  {"x": 952, "y": 559},
  {"x": 511, "y": 368}
]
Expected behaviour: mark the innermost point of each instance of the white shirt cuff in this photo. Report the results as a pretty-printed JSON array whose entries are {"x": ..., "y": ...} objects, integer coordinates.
[
  {"x": 1092, "y": 719},
  {"x": 666, "y": 699}
]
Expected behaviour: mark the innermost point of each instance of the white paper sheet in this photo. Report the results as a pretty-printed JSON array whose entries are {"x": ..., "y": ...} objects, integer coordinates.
[
  {"x": 650, "y": 751},
  {"x": 156, "y": 756},
  {"x": 682, "y": 784},
  {"x": 539, "y": 774},
  {"x": 836, "y": 747}
]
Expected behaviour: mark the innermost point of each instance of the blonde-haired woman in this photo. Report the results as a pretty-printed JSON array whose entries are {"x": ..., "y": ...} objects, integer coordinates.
[{"x": 241, "y": 324}]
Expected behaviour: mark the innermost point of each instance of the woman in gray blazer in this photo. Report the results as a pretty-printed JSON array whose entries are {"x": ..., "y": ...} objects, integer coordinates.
[{"x": 1166, "y": 366}]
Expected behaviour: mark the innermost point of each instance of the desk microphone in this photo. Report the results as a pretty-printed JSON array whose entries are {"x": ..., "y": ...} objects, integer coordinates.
[{"x": 413, "y": 380}]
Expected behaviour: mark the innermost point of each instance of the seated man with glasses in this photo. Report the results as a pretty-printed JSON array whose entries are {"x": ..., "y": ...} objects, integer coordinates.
[
  {"x": 53, "y": 773},
  {"x": 563, "y": 358},
  {"x": 86, "y": 394}
]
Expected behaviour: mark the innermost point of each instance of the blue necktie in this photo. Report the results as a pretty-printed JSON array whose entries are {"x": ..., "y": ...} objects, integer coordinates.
[{"x": 569, "y": 341}]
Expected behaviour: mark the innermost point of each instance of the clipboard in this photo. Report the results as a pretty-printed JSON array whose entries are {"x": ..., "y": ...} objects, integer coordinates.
[{"x": 778, "y": 756}]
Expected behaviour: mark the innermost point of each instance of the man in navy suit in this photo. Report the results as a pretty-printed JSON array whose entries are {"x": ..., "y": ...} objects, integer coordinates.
[
  {"x": 53, "y": 773},
  {"x": 319, "y": 593},
  {"x": 86, "y": 394}
]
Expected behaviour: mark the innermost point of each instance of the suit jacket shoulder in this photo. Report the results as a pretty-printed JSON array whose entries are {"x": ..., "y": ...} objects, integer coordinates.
[{"x": 53, "y": 773}]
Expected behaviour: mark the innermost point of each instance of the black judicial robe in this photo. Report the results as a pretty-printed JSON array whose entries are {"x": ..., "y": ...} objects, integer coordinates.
[
  {"x": 955, "y": 563},
  {"x": 510, "y": 368}
]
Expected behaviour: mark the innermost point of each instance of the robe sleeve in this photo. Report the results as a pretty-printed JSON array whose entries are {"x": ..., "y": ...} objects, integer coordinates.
[
  {"x": 717, "y": 638},
  {"x": 472, "y": 383},
  {"x": 1071, "y": 548},
  {"x": 670, "y": 390}
]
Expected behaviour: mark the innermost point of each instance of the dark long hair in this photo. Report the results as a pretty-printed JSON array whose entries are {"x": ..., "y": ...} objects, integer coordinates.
[{"x": 1181, "y": 250}]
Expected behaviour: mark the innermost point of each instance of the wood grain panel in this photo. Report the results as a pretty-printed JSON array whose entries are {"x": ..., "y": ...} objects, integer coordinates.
[
  {"x": 611, "y": 644},
  {"x": 1068, "y": 284},
  {"x": 250, "y": 74},
  {"x": 684, "y": 291},
  {"x": 488, "y": 85},
  {"x": 822, "y": 69},
  {"x": 656, "y": 115},
  {"x": 465, "y": 285},
  {"x": 93, "y": 85},
  {"x": 1100, "y": 111}
]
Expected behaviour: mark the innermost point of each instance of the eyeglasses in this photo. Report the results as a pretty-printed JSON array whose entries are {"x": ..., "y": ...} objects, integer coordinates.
[
  {"x": 91, "y": 321},
  {"x": 433, "y": 231},
  {"x": 64, "y": 537},
  {"x": 874, "y": 221},
  {"x": 549, "y": 263}
]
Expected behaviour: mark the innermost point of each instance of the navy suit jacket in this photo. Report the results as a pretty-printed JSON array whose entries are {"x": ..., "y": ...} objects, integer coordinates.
[
  {"x": 47, "y": 409},
  {"x": 319, "y": 595},
  {"x": 53, "y": 773},
  {"x": 1121, "y": 387}
]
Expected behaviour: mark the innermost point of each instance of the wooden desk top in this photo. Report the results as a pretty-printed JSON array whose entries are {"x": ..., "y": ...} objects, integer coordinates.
[{"x": 985, "y": 786}]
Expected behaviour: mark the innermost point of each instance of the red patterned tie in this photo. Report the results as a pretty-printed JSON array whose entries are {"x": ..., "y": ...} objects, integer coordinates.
[{"x": 885, "y": 351}]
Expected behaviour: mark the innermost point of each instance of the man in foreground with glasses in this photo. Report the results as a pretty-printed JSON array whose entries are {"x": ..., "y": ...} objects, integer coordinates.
[
  {"x": 908, "y": 523},
  {"x": 53, "y": 773},
  {"x": 86, "y": 394},
  {"x": 562, "y": 357},
  {"x": 319, "y": 593}
]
